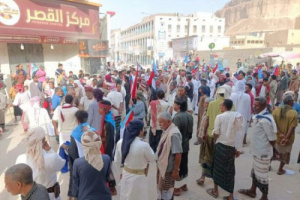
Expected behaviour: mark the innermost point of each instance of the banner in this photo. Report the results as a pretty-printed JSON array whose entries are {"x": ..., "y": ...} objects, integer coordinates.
[
  {"x": 38, "y": 21},
  {"x": 93, "y": 48}
]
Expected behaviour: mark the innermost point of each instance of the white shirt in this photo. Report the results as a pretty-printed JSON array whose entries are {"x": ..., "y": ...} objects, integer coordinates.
[
  {"x": 27, "y": 83},
  {"x": 37, "y": 117},
  {"x": 223, "y": 124},
  {"x": 22, "y": 100},
  {"x": 115, "y": 99},
  {"x": 85, "y": 102},
  {"x": 139, "y": 155},
  {"x": 263, "y": 133},
  {"x": 69, "y": 115},
  {"x": 53, "y": 164},
  {"x": 262, "y": 91},
  {"x": 242, "y": 104}
]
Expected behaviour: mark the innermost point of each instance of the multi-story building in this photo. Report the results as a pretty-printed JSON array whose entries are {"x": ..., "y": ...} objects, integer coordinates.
[
  {"x": 152, "y": 38},
  {"x": 115, "y": 45}
]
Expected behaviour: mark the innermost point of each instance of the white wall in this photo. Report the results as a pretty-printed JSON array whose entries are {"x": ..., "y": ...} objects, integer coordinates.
[
  {"x": 4, "y": 63},
  {"x": 67, "y": 54}
]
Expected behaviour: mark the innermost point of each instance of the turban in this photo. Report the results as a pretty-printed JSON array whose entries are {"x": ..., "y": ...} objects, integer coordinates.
[
  {"x": 91, "y": 143},
  {"x": 131, "y": 132},
  {"x": 34, "y": 139}
]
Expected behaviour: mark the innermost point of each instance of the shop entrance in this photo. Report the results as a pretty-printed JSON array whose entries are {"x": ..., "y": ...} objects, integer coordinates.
[{"x": 25, "y": 54}]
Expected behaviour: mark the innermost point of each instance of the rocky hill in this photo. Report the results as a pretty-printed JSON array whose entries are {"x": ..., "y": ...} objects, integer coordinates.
[{"x": 244, "y": 16}]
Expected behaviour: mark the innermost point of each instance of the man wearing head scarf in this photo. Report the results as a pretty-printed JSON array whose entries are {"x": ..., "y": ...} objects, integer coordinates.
[
  {"x": 169, "y": 157},
  {"x": 140, "y": 107},
  {"x": 79, "y": 89},
  {"x": 294, "y": 84},
  {"x": 108, "y": 135},
  {"x": 242, "y": 104},
  {"x": 35, "y": 116},
  {"x": 134, "y": 155},
  {"x": 86, "y": 101},
  {"x": 262, "y": 146},
  {"x": 213, "y": 110},
  {"x": 286, "y": 120},
  {"x": 91, "y": 172},
  {"x": 76, "y": 150},
  {"x": 44, "y": 162}
]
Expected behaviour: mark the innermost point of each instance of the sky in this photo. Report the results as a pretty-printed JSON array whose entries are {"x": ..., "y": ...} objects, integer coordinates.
[{"x": 129, "y": 12}]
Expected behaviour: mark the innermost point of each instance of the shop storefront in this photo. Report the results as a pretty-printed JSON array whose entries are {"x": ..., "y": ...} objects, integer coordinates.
[{"x": 39, "y": 32}]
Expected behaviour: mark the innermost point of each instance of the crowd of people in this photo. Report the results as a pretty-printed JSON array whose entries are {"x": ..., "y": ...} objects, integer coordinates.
[{"x": 101, "y": 121}]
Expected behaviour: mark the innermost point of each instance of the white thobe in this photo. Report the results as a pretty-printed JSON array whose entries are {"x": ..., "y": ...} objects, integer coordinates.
[
  {"x": 139, "y": 155},
  {"x": 242, "y": 104},
  {"x": 197, "y": 84},
  {"x": 37, "y": 117},
  {"x": 53, "y": 164}
]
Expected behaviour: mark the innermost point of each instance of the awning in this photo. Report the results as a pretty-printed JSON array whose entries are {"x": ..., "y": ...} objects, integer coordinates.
[{"x": 37, "y": 21}]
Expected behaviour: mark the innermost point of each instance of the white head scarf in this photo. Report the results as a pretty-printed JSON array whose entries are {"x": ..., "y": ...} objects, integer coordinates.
[
  {"x": 34, "y": 152},
  {"x": 80, "y": 86},
  {"x": 91, "y": 143},
  {"x": 239, "y": 88}
]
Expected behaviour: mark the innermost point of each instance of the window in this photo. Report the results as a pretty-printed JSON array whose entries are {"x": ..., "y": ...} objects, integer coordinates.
[
  {"x": 211, "y": 29},
  {"x": 248, "y": 42},
  {"x": 170, "y": 28},
  {"x": 203, "y": 29},
  {"x": 194, "y": 29},
  {"x": 170, "y": 19},
  {"x": 185, "y": 29},
  {"x": 219, "y": 29},
  {"x": 178, "y": 28}
]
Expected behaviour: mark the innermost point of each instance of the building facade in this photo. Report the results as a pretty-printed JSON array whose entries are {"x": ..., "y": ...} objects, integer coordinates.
[
  {"x": 37, "y": 32},
  {"x": 152, "y": 38}
]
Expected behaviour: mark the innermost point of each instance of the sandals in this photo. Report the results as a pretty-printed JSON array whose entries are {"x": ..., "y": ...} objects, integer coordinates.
[
  {"x": 211, "y": 193},
  {"x": 281, "y": 172},
  {"x": 247, "y": 193},
  {"x": 200, "y": 182}
]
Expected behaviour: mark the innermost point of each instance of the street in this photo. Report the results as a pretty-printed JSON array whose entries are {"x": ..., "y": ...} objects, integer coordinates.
[{"x": 285, "y": 187}]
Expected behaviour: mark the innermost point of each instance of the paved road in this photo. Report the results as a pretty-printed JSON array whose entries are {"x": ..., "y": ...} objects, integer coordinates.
[{"x": 284, "y": 187}]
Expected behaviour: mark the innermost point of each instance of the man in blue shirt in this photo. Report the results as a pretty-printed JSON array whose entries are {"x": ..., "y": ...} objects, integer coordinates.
[{"x": 56, "y": 99}]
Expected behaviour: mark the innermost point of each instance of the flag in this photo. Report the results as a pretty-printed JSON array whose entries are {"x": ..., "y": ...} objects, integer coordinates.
[
  {"x": 152, "y": 75},
  {"x": 125, "y": 122},
  {"x": 260, "y": 74},
  {"x": 215, "y": 68},
  {"x": 135, "y": 83},
  {"x": 140, "y": 68},
  {"x": 154, "y": 67},
  {"x": 186, "y": 59},
  {"x": 220, "y": 66},
  {"x": 276, "y": 71}
]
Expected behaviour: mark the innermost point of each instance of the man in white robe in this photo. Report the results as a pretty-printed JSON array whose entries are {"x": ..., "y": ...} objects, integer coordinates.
[
  {"x": 44, "y": 162},
  {"x": 134, "y": 155},
  {"x": 242, "y": 103},
  {"x": 197, "y": 84},
  {"x": 37, "y": 116}
]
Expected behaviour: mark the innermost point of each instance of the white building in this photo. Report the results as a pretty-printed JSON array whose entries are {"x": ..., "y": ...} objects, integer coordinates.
[
  {"x": 153, "y": 36},
  {"x": 115, "y": 45}
]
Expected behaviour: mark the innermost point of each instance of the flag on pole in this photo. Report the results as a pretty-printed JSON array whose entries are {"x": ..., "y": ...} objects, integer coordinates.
[
  {"x": 215, "y": 68},
  {"x": 152, "y": 75},
  {"x": 140, "y": 68},
  {"x": 276, "y": 70},
  {"x": 260, "y": 74},
  {"x": 125, "y": 122},
  {"x": 134, "y": 86}
]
